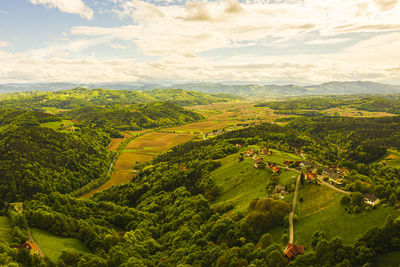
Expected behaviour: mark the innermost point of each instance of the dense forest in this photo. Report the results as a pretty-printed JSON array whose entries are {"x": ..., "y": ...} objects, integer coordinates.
[
  {"x": 165, "y": 216},
  {"x": 81, "y": 97},
  {"x": 389, "y": 104},
  {"x": 134, "y": 117}
]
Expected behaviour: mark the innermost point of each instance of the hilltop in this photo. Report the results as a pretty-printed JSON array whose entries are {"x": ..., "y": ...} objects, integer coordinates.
[{"x": 252, "y": 90}]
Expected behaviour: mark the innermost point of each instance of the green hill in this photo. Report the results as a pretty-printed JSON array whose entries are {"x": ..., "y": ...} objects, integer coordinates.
[{"x": 79, "y": 97}]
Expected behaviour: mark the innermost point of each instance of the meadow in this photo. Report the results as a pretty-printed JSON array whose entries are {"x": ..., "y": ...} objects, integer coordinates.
[
  {"x": 57, "y": 124},
  {"x": 240, "y": 182},
  {"x": 330, "y": 216},
  {"x": 392, "y": 159},
  {"x": 52, "y": 245},
  {"x": 5, "y": 229}
]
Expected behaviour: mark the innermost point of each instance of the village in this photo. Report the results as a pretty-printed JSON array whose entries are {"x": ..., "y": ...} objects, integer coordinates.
[{"x": 310, "y": 172}]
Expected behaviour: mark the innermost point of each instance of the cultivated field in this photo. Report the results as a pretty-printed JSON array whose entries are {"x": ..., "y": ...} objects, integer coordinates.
[
  {"x": 52, "y": 245},
  {"x": 5, "y": 229},
  {"x": 141, "y": 149}
]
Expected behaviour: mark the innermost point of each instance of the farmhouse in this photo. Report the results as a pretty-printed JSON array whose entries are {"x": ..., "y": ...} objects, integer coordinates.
[
  {"x": 311, "y": 176},
  {"x": 293, "y": 250},
  {"x": 276, "y": 169},
  {"x": 371, "y": 200},
  {"x": 265, "y": 151},
  {"x": 249, "y": 153},
  {"x": 288, "y": 162},
  {"x": 258, "y": 163},
  {"x": 29, "y": 246}
]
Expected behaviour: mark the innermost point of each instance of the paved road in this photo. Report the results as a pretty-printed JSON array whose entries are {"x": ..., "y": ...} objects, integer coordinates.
[{"x": 291, "y": 235}]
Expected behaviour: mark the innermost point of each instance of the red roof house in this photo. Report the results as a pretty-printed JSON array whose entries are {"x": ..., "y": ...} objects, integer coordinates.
[{"x": 293, "y": 250}]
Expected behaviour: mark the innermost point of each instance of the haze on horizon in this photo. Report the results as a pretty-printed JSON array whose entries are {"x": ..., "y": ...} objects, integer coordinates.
[{"x": 163, "y": 41}]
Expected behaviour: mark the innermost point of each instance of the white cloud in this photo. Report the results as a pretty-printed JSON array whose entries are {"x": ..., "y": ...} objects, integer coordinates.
[
  {"x": 118, "y": 46},
  {"x": 67, "y": 6},
  {"x": 362, "y": 36},
  {"x": 4, "y": 44}
]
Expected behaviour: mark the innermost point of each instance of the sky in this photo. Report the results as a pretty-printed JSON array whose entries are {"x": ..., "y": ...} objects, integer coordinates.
[{"x": 172, "y": 41}]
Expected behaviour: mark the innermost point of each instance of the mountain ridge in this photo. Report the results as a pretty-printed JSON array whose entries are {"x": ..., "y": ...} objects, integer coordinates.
[{"x": 252, "y": 90}]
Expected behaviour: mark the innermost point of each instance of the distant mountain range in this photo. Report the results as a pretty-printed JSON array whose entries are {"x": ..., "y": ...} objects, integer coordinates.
[{"x": 246, "y": 90}]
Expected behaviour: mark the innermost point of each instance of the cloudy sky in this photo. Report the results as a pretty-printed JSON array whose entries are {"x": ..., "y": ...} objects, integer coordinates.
[{"x": 273, "y": 41}]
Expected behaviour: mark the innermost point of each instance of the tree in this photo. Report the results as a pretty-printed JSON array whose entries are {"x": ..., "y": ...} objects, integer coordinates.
[
  {"x": 392, "y": 199},
  {"x": 285, "y": 239},
  {"x": 265, "y": 241}
]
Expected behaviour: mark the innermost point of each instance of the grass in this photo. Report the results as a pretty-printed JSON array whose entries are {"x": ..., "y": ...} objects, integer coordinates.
[
  {"x": 329, "y": 216},
  {"x": 393, "y": 158},
  {"x": 52, "y": 245},
  {"x": 315, "y": 198},
  {"x": 56, "y": 124},
  {"x": 240, "y": 182},
  {"x": 280, "y": 157},
  {"x": 5, "y": 229},
  {"x": 390, "y": 259}
]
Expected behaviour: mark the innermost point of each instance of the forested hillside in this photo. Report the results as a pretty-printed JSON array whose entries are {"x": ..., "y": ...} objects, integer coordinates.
[
  {"x": 80, "y": 97},
  {"x": 165, "y": 214},
  {"x": 37, "y": 159},
  {"x": 134, "y": 117},
  {"x": 389, "y": 104}
]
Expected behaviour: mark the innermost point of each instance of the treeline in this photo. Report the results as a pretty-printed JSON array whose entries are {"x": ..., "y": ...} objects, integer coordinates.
[
  {"x": 118, "y": 118},
  {"x": 389, "y": 104},
  {"x": 80, "y": 97}
]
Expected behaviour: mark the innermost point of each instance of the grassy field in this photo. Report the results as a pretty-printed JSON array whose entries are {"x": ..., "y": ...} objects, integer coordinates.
[
  {"x": 280, "y": 157},
  {"x": 329, "y": 216},
  {"x": 56, "y": 124},
  {"x": 390, "y": 259},
  {"x": 5, "y": 229},
  {"x": 142, "y": 149},
  {"x": 315, "y": 199},
  {"x": 392, "y": 159},
  {"x": 240, "y": 182},
  {"x": 52, "y": 245}
]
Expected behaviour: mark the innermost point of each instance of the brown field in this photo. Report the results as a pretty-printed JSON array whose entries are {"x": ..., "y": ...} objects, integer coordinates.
[
  {"x": 114, "y": 144},
  {"x": 142, "y": 149}
]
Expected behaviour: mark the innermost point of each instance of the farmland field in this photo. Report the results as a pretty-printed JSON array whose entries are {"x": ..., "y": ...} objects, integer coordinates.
[
  {"x": 52, "y": 245},
  {"x": 141, "y": 149},
  {"x": 5, "y": 228}
]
